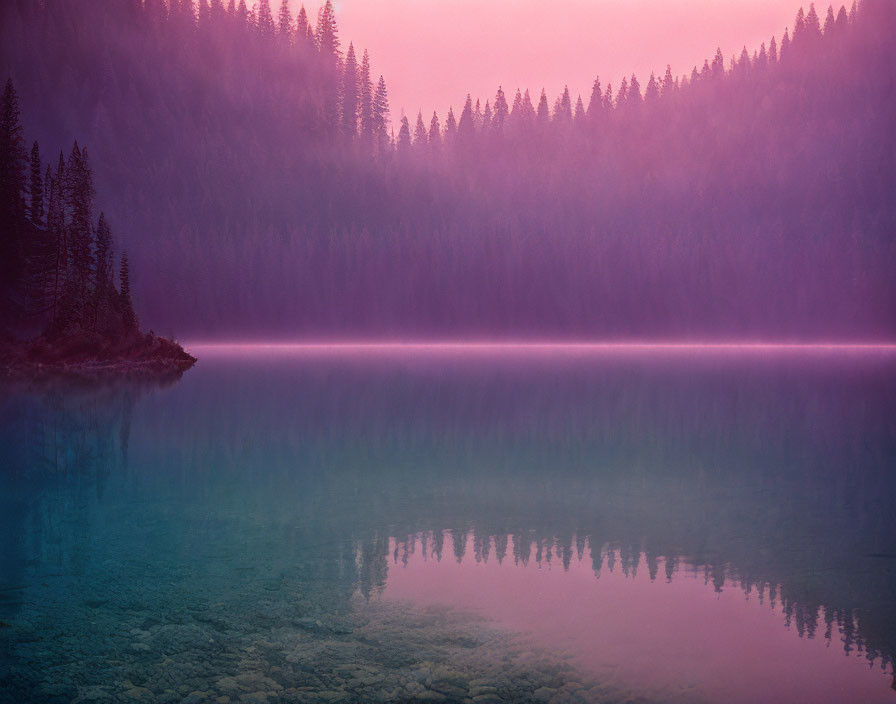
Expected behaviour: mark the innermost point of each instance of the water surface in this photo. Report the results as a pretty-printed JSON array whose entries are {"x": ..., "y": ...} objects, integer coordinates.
[{"x": 404, "y": 524}]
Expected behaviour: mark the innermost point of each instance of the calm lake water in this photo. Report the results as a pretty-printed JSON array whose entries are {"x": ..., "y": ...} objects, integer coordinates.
[{"x": 320, "y": 526}]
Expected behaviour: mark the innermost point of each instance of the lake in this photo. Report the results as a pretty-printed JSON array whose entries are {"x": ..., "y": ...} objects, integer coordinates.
[{"x": 455, "y": 524}]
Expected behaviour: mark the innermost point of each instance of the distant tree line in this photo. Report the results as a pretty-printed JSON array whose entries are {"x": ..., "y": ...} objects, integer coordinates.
[
  {"x": 249, "y": 159},
  {"x": 57, "y": 261}
]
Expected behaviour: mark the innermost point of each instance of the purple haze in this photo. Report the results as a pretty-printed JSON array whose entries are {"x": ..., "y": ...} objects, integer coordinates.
[{"x": 249, "y": 175}]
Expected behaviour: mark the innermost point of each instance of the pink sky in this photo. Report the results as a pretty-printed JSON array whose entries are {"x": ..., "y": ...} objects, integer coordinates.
[{"x": 433, "y": 52}]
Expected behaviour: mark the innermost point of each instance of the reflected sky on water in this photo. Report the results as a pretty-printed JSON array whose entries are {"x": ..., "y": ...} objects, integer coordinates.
[{"x": 715, "y": 526}]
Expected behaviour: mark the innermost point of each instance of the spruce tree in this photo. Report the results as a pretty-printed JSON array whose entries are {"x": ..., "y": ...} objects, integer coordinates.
[
  {"x": 57, "y": 243},
  {"x": 450, "y": 127},
  {"x": 634, "y": 92},
  {"x": 799, "y": 26},
  {"x": 465, "y": 125},
  {"x": 595, "y": 103},
  {"x": 487, "y": 118},
  {"x": 812, "y": 25},
  {"x": 216, "y": 10},
  {"x": 668, "y": 82},
  {"x": 564, "y": 112},
  {"x": 381, "y": 115},
  {"x": 284, "y": 23},
  {"x": 829, "y": 22},
  {"x": 349, "y": 94},
  {"x": 366, "y": 89},
  {"x": 420, "y": 137},
  {"x": 622, "y": 95},
  {"x": 102, "y": 272},
  {"x": 204, "y": 14},
  {"x": 126, "y": 304},
  {"x": 404, "y": 135},
  {"x": 13, "y": 160},
  {"x": 265, "y": 18},
  {"x": 718, "y": 65},
  {"x": 435, "y": 131},
  {"x": 543, "y": 115},
  {"x": 79, "y": 195},
  {"x": 327, "y": 34},
  {"x": 653, "y": 90},
  {"x": 303, "y": 28},
  {"x": 579, "y": 114},
  {"x": 36, "y": 188},
  {"x": 500, "y": 112}
]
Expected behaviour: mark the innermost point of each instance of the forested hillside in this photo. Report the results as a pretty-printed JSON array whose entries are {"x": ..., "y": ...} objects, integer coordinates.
[{"x": 246, "y": 162}]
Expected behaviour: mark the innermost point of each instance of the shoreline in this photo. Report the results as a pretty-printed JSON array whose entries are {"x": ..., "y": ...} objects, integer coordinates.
[{"x": 90, "y": 357}]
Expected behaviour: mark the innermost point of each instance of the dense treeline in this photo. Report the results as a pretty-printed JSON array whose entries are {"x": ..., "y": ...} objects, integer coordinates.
[
  {"x": 57, "y": 262},
  {"x": 250, "y": 159}
]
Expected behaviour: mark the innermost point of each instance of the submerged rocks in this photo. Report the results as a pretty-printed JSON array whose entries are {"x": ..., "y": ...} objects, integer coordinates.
[{"x": 214, "y": 652}]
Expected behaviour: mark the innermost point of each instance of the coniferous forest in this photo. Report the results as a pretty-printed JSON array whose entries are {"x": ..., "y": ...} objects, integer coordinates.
[{"x": 248, "y": 163}]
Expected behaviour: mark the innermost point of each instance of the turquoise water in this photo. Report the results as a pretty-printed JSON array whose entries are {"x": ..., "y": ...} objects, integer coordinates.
[{"x": 280, "y": 526}]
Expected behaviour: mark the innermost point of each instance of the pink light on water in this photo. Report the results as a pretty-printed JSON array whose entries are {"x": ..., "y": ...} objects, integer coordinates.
[
  {"x": 679, "y": 641},
  {"x": 537, "y": 347}
]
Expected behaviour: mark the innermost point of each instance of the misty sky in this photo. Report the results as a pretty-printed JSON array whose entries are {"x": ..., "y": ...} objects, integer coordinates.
[{"x": 432, "y": 52}]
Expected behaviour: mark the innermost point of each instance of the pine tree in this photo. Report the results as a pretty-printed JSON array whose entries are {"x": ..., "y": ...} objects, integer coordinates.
[
  {"x": 381, "y": 115},
  {"x": 595, "y": 103},
  {"x": 265, "y": 18},
  {"x": 761, "y": 60},
  {"x": 842, "y": 18},
  {"x": 812, "y": 26},
  {"x": 829, "y": 22},
  {"x": 303, "y": 28},
  {"x": 622, "y": 95},
  {"x": 773, "y": 51},
  {"x": 543, "y": 115},
  {"x": 435, "y": 131},
  {"x": 516, "y": 112},
  {"x": 668, "y": 82},
  {"x": 216, "y": 10},
  {"x": 652, "y": 93},
  {"x": 79, "y": 194},
  {"x": 284, "y": 22},
  {"x": 579, "y": 114},
  {"x": 102, "y": 272},
  {"x": 450, "y": 127},
  {"x": 609, "y": 103},
  {"x": 799, "y": 26},
  {"x": 500, "y": 112},
  {"x": 327, "y": 34},
  {"x": 404, "y": 135},
  {"x": 465, "y": 125},
  {"x": 57, "y": 240},
  {"x": 366, "y": 87},
  {"x": 349, "y": 94},
  {"x": 36, "y": 188},
  {"x": 564, "y": 112},
  {"x": 487, "y": 118},
  {"x": 126, "y": 304},
  {"x": 204, "y": 14},
  {"x": 634, "y": 92},
  {"x": 327, "y": 40},
  {"x": 718, "y": 65},
  {"x": 13, "y": 159},
  {"x": 420, "y": 137}
]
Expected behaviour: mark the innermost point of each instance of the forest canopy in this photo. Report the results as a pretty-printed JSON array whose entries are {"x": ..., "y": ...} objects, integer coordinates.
[{"x": 246, "y": 159}]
